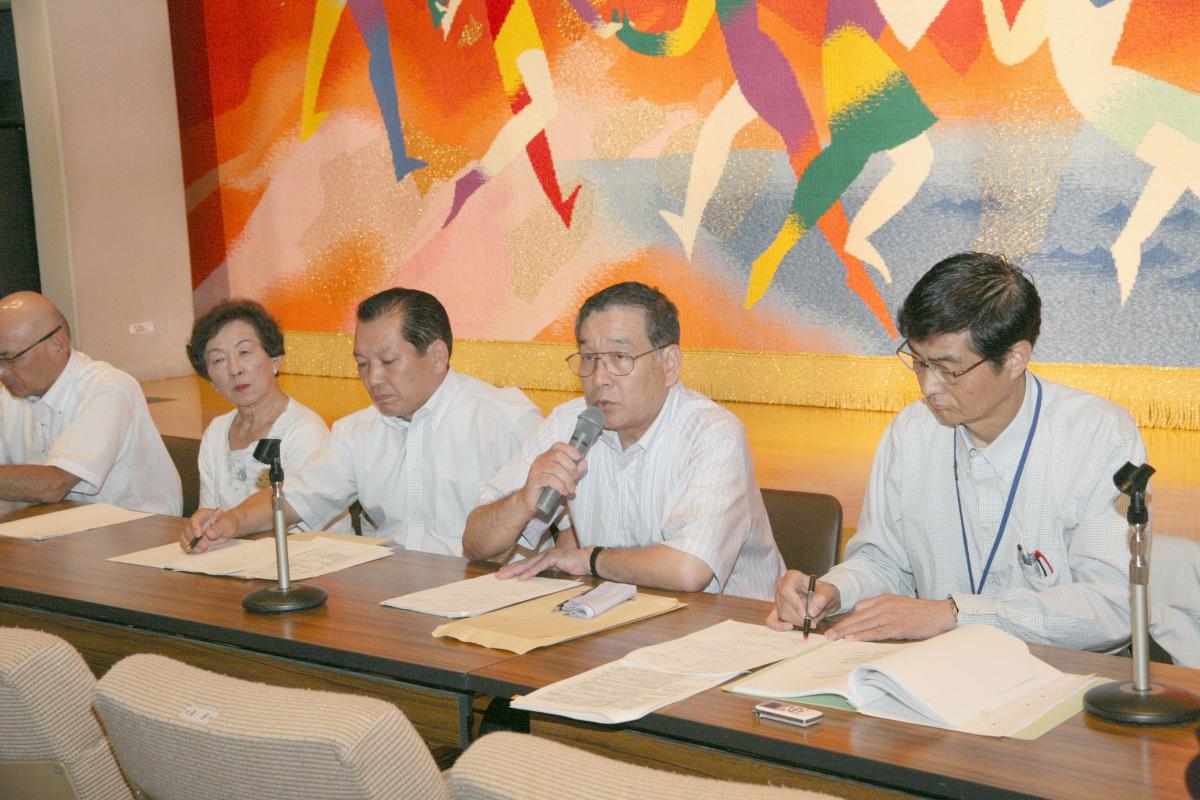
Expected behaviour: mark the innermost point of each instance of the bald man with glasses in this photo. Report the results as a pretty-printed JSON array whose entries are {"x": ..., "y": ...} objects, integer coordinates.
[
  {"x": 990, "y": 501},
  {"x": 72, "y": 428},
  {"x": 665, "y": 498}
]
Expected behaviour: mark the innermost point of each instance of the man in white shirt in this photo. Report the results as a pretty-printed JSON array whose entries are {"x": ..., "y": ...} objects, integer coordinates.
[
  {"x": 72, "y": 428},
  {"x": 417, "y": 457},
  {"x": 992, "y": 500},
  {"x": 669, "y": 499}
]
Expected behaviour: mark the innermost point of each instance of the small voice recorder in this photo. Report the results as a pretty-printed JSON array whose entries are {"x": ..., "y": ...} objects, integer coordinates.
[{"x": 788, "y": 712}]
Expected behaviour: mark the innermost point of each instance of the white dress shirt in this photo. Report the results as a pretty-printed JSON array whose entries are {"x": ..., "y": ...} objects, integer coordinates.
[
  {"x": 94, "y": 423},
  {"x": 1175, "y": 597},
  {"x": 687, "y": 483},
  {"x": 910, "y": 541},
  {"x": 227, "y": 477},
  {"x": 417, "y": 480}
]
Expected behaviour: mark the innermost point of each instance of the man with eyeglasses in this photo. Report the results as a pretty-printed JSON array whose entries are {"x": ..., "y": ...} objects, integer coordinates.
[
  {"x": 72, "y": 428},
  {"x": 416, "y": 458},
  {"x": 992, "y": 500},
  {"x": 665, "y": 498}
]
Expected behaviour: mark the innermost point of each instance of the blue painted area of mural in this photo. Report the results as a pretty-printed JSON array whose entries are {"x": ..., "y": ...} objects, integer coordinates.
[{"x": 1083, "y": 320}]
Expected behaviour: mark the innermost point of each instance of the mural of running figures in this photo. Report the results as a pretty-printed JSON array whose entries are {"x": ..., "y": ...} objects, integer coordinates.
[{"x": 784, "y": 169}]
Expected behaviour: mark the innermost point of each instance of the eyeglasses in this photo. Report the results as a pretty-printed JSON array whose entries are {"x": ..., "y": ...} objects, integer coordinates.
[
  {"x": 918, "y": 365},
  {"x": 8, "y": 361},
  {"x": 616, "y": 364}
]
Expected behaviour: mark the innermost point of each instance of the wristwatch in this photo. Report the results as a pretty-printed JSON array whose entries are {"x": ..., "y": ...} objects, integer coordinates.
[
  {"x": 953, "y": 607},
  {"x": 592, "y": 561}
]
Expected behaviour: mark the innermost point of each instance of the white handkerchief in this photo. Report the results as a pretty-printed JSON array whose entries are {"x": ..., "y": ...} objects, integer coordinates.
[{"x": 597, "y": 601}]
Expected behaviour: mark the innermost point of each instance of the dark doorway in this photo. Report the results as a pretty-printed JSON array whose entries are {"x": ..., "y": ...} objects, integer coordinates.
[{"x": 18, "y": 241}]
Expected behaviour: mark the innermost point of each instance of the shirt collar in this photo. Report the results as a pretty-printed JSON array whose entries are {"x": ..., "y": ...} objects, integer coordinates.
[
  {"x": 435, "y": 407},
  {"x": 654, "y": 432},
  {"x": 58, "y": 393},
  {"x": 1004, "y": 452}
]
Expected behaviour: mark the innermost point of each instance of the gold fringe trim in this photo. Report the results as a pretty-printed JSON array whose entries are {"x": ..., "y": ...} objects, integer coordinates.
[{"x": 1157, "y": 397}]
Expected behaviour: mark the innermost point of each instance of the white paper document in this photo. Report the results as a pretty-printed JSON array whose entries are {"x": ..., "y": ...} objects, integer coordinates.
[
  {"x": 652, "y": 677},
  {"x": 976, "y": 679},
  {"x": 72, "y": 520},
  {"x": 727, "y": 648},
  {"x": 245, "y": 558},
  {"x": 615, "y": 692},
  {"x": 475, "y": 596}
]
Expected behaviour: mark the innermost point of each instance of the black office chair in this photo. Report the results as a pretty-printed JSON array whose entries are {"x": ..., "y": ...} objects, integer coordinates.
[
  {"x": 185, "y": 452},
  {"x": 807, "y": 528}
]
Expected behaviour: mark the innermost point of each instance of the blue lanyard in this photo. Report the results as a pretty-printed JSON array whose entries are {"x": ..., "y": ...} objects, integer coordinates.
[{"x": 1012, "y": 493}]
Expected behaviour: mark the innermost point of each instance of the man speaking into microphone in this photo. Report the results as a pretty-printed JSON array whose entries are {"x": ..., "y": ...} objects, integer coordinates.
[{"x": 665, "y": 497}]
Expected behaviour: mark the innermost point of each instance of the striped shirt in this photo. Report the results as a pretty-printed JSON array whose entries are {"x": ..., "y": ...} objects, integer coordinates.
[
  {"x": 910, "y": 540},
  {"x": 687, "y": 483},
  {"x": 417, "y": 480}
]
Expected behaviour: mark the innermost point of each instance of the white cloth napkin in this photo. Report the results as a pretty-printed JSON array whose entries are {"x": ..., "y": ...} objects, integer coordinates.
[{"x": 597, "y": 601}]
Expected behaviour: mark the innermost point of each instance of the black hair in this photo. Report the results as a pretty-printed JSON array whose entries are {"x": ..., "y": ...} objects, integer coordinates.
[
  {"x": 211, "y": 322},
  {"x": 425, "y": 319},
  {"x": 662, "y": 318},
  {"x": 983, "y": 294}
]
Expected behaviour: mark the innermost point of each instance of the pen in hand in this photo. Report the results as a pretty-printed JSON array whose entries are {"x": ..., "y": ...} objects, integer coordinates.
[
  {"x": 812, "y": 587},
  {"x": 208, "y": 523}
]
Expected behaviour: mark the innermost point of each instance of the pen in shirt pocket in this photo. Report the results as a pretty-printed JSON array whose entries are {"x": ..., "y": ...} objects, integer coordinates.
[{"x": 1036, "y": 558}]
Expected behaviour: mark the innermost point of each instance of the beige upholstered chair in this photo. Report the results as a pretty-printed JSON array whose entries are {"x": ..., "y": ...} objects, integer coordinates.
[
  {"x": 807, "y": 528},
  {"x": 517, "y": 766},
  {"x": 51, "y": 745},
  {"x": 182, "y": 732}
]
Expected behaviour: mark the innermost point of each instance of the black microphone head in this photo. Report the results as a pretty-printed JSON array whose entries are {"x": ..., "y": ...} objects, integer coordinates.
[
  {"x": 1132, "y": 480},
  {"x": 267, "y": 451}
]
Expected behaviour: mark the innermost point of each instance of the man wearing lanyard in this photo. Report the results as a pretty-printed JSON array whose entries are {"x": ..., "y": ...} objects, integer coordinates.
[{"x": 991, "y": 501}]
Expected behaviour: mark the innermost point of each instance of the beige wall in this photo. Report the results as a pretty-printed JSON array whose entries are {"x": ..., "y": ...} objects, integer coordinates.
[{"x": 99, "y": 97}]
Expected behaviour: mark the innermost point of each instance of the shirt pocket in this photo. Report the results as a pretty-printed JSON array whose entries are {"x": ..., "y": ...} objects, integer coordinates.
[{"x": 1039, "y": 568}]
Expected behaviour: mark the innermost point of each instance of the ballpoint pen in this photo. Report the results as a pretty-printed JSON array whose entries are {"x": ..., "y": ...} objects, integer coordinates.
[
  {"x": 207, "y": 524},
  {"x": 812, "y": 587}
]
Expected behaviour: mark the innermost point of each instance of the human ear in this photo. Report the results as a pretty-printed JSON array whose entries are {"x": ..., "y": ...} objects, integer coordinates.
[{"x": 1018, "y": 357}]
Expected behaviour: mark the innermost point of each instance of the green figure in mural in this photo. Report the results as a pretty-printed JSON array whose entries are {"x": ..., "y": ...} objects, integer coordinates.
[{"x": 872, "y": 108}]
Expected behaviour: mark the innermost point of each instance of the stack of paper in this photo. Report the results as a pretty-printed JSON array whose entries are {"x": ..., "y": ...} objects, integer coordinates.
[
  {"x": 244, "y": 558},
  {"x": 72, "y": 520},
  {"x": 977, "y": 679},
  {"x": 474, "y": 596},
  {"x": 653, "y": 677}
]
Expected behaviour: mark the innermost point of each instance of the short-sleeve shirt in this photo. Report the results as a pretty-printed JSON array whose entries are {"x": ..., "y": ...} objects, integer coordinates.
[
  {"x": 688, "y": 483},
  {"x": 416, "y": 480},
  {"x": 227, "y": 477},
  {"x": 93, "y": 423}
]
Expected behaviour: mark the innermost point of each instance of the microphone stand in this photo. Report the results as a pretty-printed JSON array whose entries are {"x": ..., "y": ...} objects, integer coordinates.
[
  {"x": 285, "y": 596},
  {"x": 1140, "y": 702}
]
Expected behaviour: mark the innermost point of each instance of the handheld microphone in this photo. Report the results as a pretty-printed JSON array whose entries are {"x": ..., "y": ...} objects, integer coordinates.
[{"x": 587, "y": 431}]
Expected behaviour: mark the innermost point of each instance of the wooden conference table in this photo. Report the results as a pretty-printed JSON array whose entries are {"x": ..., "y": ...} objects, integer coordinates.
[{"x": 108, "y": 610}]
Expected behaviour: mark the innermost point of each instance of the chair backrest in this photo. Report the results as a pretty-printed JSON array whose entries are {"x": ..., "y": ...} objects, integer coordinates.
[
  {"x": 185, "y": 452},
  {"x": 182, "y": 732},
  {"x": 517, "y": 766},
  {"x": 807, "y": 528},
  {"x": 1175, "y": 597},
  {"x": 51, "y": 744}
]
